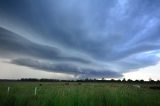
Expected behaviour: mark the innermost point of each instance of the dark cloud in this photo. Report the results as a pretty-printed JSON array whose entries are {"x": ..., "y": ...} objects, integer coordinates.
[
  {"x": 13, "y": 45},
  {"x": 115, "y": 34},
  {"x": 67, "y": 68}
]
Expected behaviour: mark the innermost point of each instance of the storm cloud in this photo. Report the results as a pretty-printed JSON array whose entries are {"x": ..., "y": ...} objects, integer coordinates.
[
  {"x": 86, "y": 38},
  {"x": 77, "y": 71},
  {"x": 12, "y": 44}
]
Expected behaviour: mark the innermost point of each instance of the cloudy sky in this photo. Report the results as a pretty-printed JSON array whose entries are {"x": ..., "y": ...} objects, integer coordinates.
[{"x": 72, "y": 39}]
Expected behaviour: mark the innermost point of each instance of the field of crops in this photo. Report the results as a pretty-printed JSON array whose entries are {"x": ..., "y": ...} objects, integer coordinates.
[{"x": 77, "y": 94}]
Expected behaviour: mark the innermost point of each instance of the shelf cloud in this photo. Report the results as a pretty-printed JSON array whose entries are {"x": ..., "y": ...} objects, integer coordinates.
[{"x": 88, "y": 38}]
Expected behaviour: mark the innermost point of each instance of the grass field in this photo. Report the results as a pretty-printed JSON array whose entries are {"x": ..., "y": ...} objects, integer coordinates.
[{"x": 74, "y": 94}]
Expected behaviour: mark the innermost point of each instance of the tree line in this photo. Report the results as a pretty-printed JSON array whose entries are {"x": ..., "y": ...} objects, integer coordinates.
[{"x": 83, "y": 80}]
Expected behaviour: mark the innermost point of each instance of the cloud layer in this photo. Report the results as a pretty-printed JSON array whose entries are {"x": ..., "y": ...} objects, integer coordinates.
[{"x": 88, "y": 38}]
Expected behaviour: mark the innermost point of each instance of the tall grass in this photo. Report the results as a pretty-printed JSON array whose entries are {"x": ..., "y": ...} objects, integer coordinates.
[{"x": 86, "y": 94}]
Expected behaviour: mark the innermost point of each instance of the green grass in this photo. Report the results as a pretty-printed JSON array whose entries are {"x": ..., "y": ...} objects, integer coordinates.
[{"x": 86, "y": 94}]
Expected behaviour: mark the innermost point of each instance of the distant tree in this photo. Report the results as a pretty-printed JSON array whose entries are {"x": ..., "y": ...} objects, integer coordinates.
[
  {"x": 86, "y": 80},
  {"x": 136, "y": 80},
  {"x": 150, "y": 80},
  {"x": 129, "y": 80},
  {"x": 118, "y": 80},
  {"x": 29, "y": 79},
  {"x": 141, "y": 80},
  {"x": 103, "y": 78},
  {"x": 112, "y": 80},
  {"x": 124, "y": 80}
]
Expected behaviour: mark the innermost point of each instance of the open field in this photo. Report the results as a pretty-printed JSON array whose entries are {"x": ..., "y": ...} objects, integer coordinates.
[{"x": 77, "y": 94}]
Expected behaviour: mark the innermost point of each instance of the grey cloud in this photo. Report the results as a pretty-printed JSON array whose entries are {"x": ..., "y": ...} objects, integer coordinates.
[
  {"x": 112, "y": 32},
  {"x": 47, "y": 66},
  {"x": 67, "y": 68},
  {"x": 136, "y": 61},
  {"x": 92, "y": 26},
  {"x": 14, "y": 45},
  {"x": 100, "y": 74},
  {"x": 102, "y": 42}
]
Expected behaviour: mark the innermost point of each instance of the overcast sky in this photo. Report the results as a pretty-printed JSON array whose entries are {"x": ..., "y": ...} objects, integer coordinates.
[{"x": 71, "y": 39}]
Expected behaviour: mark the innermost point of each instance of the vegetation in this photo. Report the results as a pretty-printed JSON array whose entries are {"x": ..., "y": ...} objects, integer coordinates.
[{"x": 78, "y": 94}]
